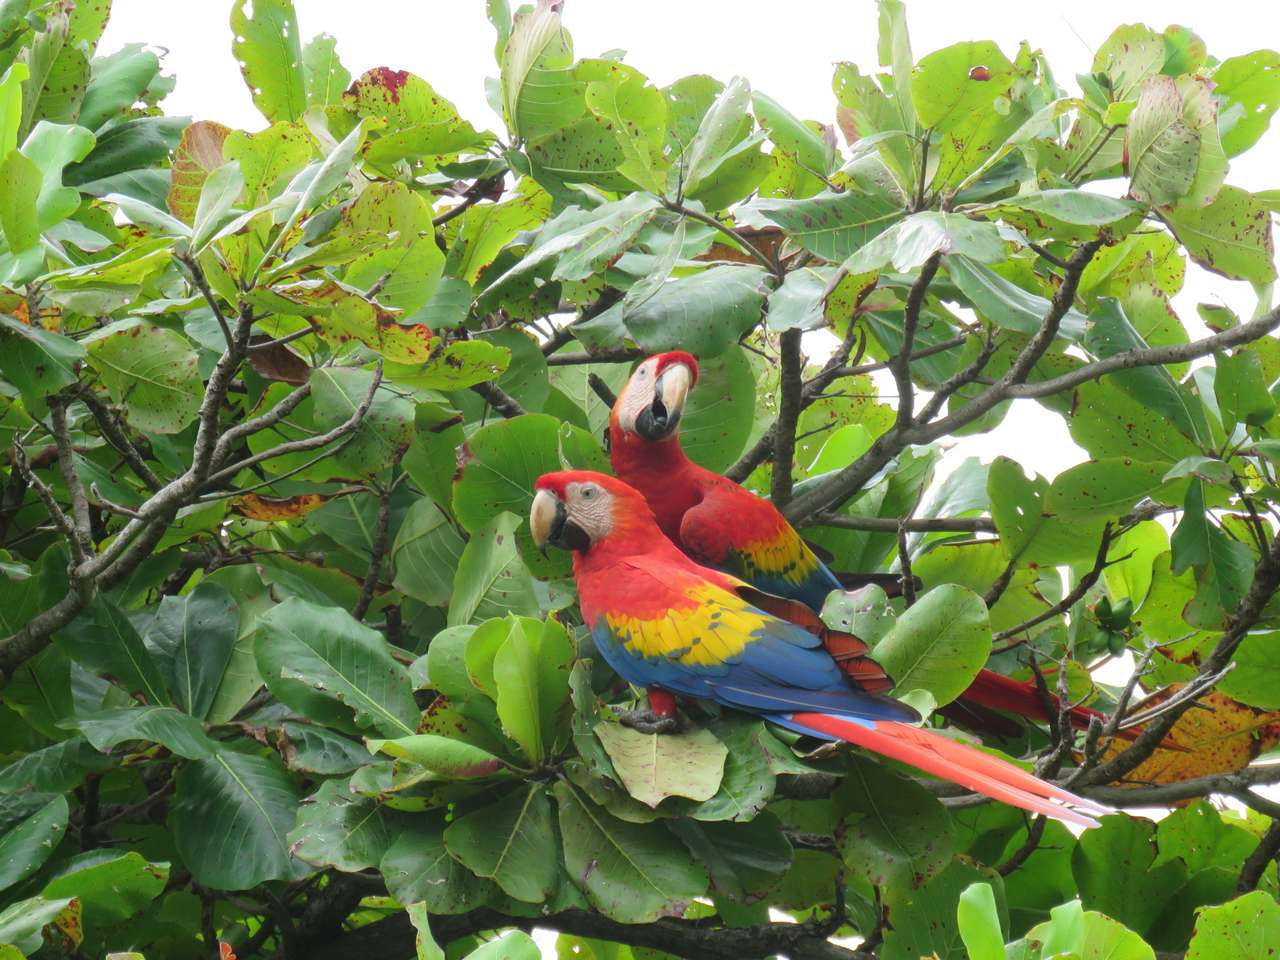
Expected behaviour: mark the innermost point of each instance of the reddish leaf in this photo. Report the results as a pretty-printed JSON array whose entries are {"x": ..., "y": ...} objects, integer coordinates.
[{"x": 199, "y": 152}]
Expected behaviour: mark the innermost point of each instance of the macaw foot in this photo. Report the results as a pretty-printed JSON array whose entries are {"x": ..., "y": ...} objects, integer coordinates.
[{"x": 646, "y": 721}]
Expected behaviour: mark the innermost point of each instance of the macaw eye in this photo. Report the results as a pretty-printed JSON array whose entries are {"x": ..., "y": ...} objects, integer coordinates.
[{"x": 588, "y": 493}]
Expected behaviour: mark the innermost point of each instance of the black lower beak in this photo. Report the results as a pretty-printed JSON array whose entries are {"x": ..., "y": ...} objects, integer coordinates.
[
  {"x": 655, "y": 422},
  {"x": 565, "y": 533}
]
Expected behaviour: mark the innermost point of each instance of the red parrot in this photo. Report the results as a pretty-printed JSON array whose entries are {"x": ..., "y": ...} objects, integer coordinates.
[
  {"x": 676, "y": 628},
  {"x": 725, "y": 526}
]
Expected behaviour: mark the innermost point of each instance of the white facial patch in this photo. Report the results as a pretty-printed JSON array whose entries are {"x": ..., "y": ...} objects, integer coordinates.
[
  {"x": 637, "y": 394},
  {"x": 590, "y": 507}
]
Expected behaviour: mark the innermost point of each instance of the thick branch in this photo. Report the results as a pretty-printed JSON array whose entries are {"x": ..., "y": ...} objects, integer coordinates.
[
  {"x": 113, "y": 432},
  {"x": 394, "y": 936},
  {"x": 562, "y": 335},
  {"x": 83, "y": 539},
  {"x": 911, "y": 524},
  {"x": 377, "y": 551},
  {"x": 620, "y": 355},
  {"x": 789, "y": 407},
  {"x": 499, "y": 399},
  {"x": 900, "y": 365},
  {"x": 1267, "y": 850},
  {"x": 1164, "y": 794}
]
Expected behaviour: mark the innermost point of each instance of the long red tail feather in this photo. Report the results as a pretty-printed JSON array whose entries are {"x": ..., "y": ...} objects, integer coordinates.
[{"x": 957, "y": 763}]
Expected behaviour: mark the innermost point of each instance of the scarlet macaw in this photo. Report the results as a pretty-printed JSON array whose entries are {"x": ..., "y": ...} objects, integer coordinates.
[
  {"x": 673, "y": 627},
  {"x": 723, "y": 525}
]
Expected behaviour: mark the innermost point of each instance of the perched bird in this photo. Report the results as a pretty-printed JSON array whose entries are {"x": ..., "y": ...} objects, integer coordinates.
[
  {"x": 725, "y": 526},
  {"x": 676, "y": 628}
]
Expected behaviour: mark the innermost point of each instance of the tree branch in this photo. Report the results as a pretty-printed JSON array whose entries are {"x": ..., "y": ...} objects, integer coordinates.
[
  {"x": 748, "y": 247},
  {"x": 377, "y": 550},
  {"x": 910, "y": 524},
  {"x": 789, "y": 407},
  {"x": 900, "y": 365},
  {"x": 501, "y": 401},
  {"x": 621, "y": 355},
  {"x": 114, "y": 433},
  {"x": 82, "y": 542}
]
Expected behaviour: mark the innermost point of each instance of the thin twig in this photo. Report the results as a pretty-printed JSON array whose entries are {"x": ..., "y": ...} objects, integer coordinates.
[
  {"x": 904, "y": 560},
  {"x": 1266, "y": 851},
  {"x": 71, "y": 477},
  {"x": 757, "y": 254},
  {"x": 900, "y": 365},
  {"x": 1001, "y": 584},
  {"x": 113, "y": 432},
  {"x": 1034, "y": 834},
  {"x": 501, "y": 401},
  {"x": 377, "y": 552}
]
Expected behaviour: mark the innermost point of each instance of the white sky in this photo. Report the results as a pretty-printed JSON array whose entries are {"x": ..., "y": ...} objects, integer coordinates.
[{"x": 785, "y": 49}]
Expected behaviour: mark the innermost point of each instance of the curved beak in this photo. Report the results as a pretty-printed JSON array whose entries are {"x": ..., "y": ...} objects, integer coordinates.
[
  {"x": 550, "y": 524},
  {"x": 660, "y": 419}
]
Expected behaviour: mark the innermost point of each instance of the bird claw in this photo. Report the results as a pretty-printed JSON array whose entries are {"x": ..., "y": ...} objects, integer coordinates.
[{"x": 646, "y": 721}]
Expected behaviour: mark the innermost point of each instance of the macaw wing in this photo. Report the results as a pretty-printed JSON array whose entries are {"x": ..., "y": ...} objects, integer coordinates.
[
  {"x": 733, "y": 530},
  {"x": 696, "y": 635}
]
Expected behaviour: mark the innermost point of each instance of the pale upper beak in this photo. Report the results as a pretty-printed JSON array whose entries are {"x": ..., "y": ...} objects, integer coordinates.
[
  {"x": 658, "y": 421},
  {"x": 544, "y": 516}
]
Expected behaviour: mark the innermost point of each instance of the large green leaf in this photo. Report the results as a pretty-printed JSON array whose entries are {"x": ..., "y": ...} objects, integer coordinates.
[
  {"x": 330, "y": 667},
  {"x": 720, "y": 414},
  {"x": 268, "y": 48},
  {"x": 830, "y": 225},
  {"x": 21, "y": 924},
  {"x": 653, "y": 767},
  {"x": 150, "y": 371},
  {"x": 531, "y": 679},
  {"x": 177, "y": 732},
  {"x": 230, "y": 816},
  {"x": 1174, "y": 154},
  {"x": 426, "y": 553},
  {"x": 418, "y": 867},
  {"x": 119, "y": 80},
  {"x": 384, "y": 432},
  {"x": 444, "y": 757},
  {"x": 27, "y": 844},
  {"x": 1246, "y": 927},
  {"x": 894, "y": 833},
  {"x": 37, "y": 361},
  {"x": 1248, "y": 88},
  {"x": 111, "y": 886},
  {"x": 703, "y": 313},
  {"x": 492, "y": 580},
  {"x": 337, "y": 828},
  {"x": 511, "y": 842},
  {"x": 1115, "y": 869},
  {"x": 105, "y": 641},
  {"x": 58, "y": 768},
  {"x": 198, "y": 631},
  {"x": 1088, "y": 935},
  {"x": 20, "y": 182},
  {"x": 939, "y": 644},
  {"x": 926, "y": 921},
  {"x": 1230, "y": 236},
  {"x": 720, "y": 129},
  {"x": 631, "y": 872}
]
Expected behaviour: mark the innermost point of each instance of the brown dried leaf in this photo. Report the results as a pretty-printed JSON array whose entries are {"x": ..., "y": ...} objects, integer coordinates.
[
  {"x": 279, "y": 363},
  {"x": 253, "y": 507},
  {"x": 199, "y": 152}
]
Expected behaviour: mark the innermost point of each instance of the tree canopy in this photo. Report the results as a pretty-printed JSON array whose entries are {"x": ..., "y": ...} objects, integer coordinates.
[{"x": 281, "y": 673}]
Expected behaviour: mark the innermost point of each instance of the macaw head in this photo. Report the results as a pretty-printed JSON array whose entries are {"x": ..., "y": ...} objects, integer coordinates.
[
  {"x": 575, "y": 509},
  {"x": 651, "y": 403}
]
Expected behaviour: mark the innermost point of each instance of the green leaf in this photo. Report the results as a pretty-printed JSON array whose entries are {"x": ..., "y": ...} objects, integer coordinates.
[
  {"x": 833, "y": 226},
  {"x": 1105, "y": 488},
  {"x": 427, "y": 948},
  {"x": 978, "y": 920},
  {"x": 426, "y": 553},
  {"x": 1089, "y": 936},
  {"x": 175, "y": 731},
  {"x": 1230, "y": 236},
  {"x": 58, "y": 768},
  {"x": 511, "y": 842},
  {"x": 268, "y": 47},
  {"x": 1245, "y": 927},
  {"x": 313, "y": 749},
  {"x": 1115, "y": 869},
  {"x": 623, "y": 98},
  {"x": 939, "y": 644},
  {"x": 720, "y": 129},
  {"x": 199, "y": 632},
  {"x": 653, "y": 767},
  {"x": 52, "y": 146},
  {"x": 267, "y": 158},
  {"x": 36, "y": 361},
  {"x": 1006, "y": 304},
  {"x": 21, "y": 923},
  {"x": 1197, "y": 542},
  {"x": 531, "y": 678},
  {"x": 119, "y": 81},
  {"x": 703, "y": 313},
  {"x": 895, "y": 834},
  {"x": 20, "y": 181},
  {"x": 539, "y": 92},
  {"x": 11, "y": 105},
  {"x": 219, "y": 192},
  {"x": 927, "y": 923},
  {"x": 150, "y": 371},
  {"x": 387, "y": 427},
  {"x": 105, "y": 641},
  {"x": 325, "y": 78},
  {"x": 230, "y": 816},
  {"x": 516, "y": 945},
  {"x": 446, "y": 758},
  {"x": 492, "y": 580},
  {"x": 631, "y": 872},
  {"x": 1248, "y": 89},
  {"x": 909, "y": 243},
  {"x": 111, "y": 886},
  {"x": 793, "y": 136},
  {"x": 418, "y": 867},
  {"x": 744, "y": 860},
  {"x": 720, "y": 414},
  {"x": 328, "y": 666},
  {"x": 1174, "y": 154},
  {"x": 27, "y": 844},
  {"x": 338, "y": 828},
  {"x": 1240, "y": 387},
  {"x": 505, "y": 458}
]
